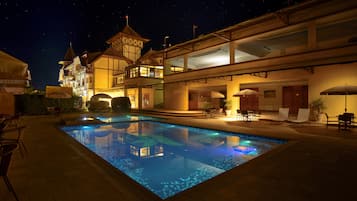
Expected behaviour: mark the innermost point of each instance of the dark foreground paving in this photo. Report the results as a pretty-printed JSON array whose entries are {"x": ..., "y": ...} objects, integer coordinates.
[{"x": 321, "y": 165}]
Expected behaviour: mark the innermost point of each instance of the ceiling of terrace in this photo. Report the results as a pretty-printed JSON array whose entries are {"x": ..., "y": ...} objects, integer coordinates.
[{"x": 265, "y": 47}]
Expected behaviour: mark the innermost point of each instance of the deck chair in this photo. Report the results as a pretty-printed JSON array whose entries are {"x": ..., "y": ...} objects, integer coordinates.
[
  {"x": 303, "y": 116},
  {"x": 5, "y": 154},
  {"x": 283, "y": 114}
]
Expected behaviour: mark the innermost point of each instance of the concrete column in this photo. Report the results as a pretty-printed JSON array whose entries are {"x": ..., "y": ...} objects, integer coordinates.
[
  {"x": 140, "y": 98},
  {"x": 176, "y": 96},
  {"x": 233, "y": 87},
  {"x": 185, "y": 62},
  {"x": 312, "y": 39},
  {"x": 167, "y": 67},
  {"x": 231, "y": 53},
  {"x": 93, "y": 81}
]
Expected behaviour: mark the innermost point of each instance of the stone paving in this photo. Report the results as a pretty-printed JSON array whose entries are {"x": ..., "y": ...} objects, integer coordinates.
[{"x": 317, "y": 163}]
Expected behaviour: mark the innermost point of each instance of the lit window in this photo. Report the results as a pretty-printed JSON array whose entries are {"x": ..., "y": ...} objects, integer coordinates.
[
  {"x": 144, "y": 71},
  {"x": 159, "y": 73},
  {"x": 134, "y": 72},
  {"x": 176, "y": 69},
  {"x": 145, "y": 152},
  {"x": 134, "y": 150}
]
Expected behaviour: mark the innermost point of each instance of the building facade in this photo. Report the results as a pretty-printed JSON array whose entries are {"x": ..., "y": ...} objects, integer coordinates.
[
  {"x": 15, "y": 75},
  {"x": 120, "y": 70},
  {"x": 289, "y": 57}
]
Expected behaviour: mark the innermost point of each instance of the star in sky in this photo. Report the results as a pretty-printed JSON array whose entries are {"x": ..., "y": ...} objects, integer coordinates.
[{"x": 39, "y": 32}]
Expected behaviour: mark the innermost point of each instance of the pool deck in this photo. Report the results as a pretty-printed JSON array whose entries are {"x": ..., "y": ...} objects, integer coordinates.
[{"x": 317, "y": 163}]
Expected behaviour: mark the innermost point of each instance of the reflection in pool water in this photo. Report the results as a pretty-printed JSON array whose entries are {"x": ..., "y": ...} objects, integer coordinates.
[
  {"x": 123, "y": 118},
  {"x": 167, "y": 158}
]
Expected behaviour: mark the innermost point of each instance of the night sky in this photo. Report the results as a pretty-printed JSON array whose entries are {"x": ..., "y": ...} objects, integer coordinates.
[{"x": 39, "y": 32}]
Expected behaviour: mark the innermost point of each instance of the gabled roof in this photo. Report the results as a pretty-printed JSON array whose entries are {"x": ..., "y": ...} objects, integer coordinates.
[
  {"x": 150, "y": 57},
  {"x": 92, "y": 57},
  {"x": 11, "y": 67},
  {"x": 112, "y": 52},
  {"x": 128, "y": 32},
  {"x": 5, "y": 57}
]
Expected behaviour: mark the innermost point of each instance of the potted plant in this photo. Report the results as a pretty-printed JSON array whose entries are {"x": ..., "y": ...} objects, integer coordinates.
[
  {"x": 228, "y": 107},
  {"x": 317, "y": 106}
]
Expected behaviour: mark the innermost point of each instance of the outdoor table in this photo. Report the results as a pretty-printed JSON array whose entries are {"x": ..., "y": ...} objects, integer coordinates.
[{"x": 345, "y": 120}]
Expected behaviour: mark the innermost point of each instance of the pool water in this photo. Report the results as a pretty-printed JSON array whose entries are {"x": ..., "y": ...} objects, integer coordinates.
[
  {"x": 168, "y": 158},
  {"x": 125, "y": 118}
]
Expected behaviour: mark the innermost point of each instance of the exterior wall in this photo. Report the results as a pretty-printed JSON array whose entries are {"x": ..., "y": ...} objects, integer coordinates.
[
  {"x": 334, "y": 75},
  {"x": 147, "y": 98},
  {"x": 158, "y": 97},
  {"x": 14, "y": 74},
  {"x": 102, "y": 73},
  {"x": 176, "y": 96},
  {"x": 271, "y": 103},
  {"x": 132, "y": 52},
  {"x": 133, "y": 95},
  {"x": 320, "y": 79},
  {"x": 104, "y": 68},
  {"x": 7, "y": 105}
]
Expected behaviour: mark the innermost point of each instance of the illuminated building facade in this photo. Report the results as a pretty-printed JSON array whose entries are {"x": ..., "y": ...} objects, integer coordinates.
[
  {"x": 15, "y": 76},
  {"x": 120, "y": 70},
  {"x": 288, "y": 56}
]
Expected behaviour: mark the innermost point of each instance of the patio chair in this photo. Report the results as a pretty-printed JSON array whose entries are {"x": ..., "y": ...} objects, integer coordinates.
[
  {"x": 9, "y": 125},
  {"x": 245, "y": 115},
  {"x": 5, "y": 154},
  {"x": 239, "y": 114},
  {"x": 303, "y": 116},
  {"x": 330, "y": 120}
]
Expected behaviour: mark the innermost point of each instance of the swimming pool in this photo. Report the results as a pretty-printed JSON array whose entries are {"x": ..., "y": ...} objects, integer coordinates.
[
  {"x": 125, "y": 118},
  {"x": 168, "y": 158}
]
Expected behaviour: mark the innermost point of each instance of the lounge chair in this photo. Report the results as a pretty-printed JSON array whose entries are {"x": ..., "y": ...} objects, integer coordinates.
[
  {"x": 282, "y": 115},
  {"x": 303, "y": 116}
]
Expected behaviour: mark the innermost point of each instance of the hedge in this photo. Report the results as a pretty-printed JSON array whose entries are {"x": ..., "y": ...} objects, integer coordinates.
[{"x": 33, "y": 104}]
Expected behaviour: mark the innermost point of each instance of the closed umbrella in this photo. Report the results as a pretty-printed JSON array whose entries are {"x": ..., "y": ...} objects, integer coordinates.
[{"x": 341, "y": 90}]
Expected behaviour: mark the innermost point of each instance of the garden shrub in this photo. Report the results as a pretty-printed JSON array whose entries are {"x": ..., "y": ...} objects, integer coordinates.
[
  {"x": 121, "y": 104},
  {"x": 30, "y": 104},
  {"x": 99, "y": 106},
  {"x": 35, "y": 104}
]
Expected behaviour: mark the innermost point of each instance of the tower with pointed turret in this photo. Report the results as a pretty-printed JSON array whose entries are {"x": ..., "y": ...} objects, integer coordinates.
[
  {"x": 120, "y": 70},
  {"x": 128, "y": 42}
]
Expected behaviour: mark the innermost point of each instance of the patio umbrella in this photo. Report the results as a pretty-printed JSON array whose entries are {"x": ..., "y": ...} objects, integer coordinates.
[
  {"x": 341, "y": 90},
  {"x": 245, "y": 92},
  {"x": 216, "y": 94}
]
